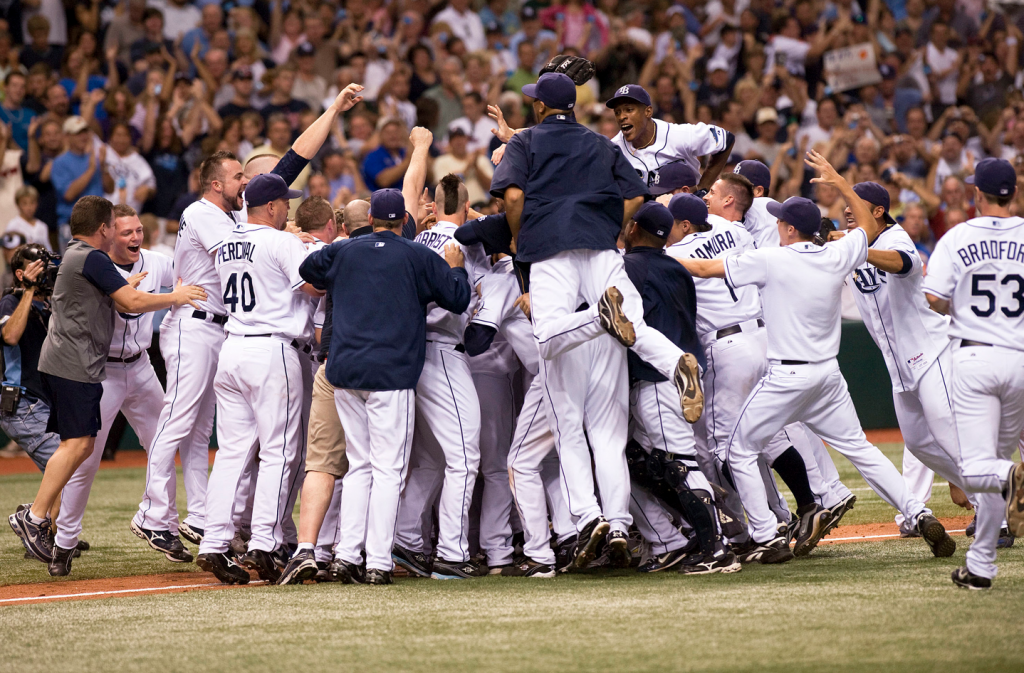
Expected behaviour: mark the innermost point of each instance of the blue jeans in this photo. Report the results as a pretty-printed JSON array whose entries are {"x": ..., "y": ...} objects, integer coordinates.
[{"x": 27, "y": 427}]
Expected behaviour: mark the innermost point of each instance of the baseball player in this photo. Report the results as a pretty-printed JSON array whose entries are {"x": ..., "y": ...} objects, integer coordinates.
[
  {"x": 668, "y": 454},
  {"x": 186, "y": 421},
  {"x": 567, "y": 229},
  {"x": 131, "y": 386},
  {"x": 381, "y": 286},
  {"x": 447, "y": 413},
  {"x": 913, "y": 339},
  {"x": 259, "y": 378},
  {"x": 976, "y": 275},
  {"x": 800, "y": 285},
  {"x": 758, "y": 222},
  {"x": 649, "y": 144}
]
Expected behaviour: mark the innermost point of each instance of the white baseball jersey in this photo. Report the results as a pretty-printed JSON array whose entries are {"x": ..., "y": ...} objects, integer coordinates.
[
  {"x": 672, "y": 143},
  {"x": 499, "y": 290},
  {"x": 800, "y": 287},
  {"x": 202, "y": 228},
  {"x": 909, "y": 334},
  {"x": 133, "y": 332},
  {"x": 258, "y": 268},
  {"x": 444, "y": 326},
  {"x": 719, "y": 305},
  {"x": 762, "y": 225},
  {"x": 979, "y": 267}
]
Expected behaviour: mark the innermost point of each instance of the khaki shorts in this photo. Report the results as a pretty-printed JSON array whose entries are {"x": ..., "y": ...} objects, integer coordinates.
[{"x": 325, "y": 450}]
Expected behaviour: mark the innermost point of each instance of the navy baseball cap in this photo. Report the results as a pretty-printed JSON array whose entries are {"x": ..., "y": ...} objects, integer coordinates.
[
  {"x": 387, "y": 204},
  {"x": 553, "y": 89},
  {"x": 630, "y": 92},
  {"x": 655, "y": 219},
  {"x": 671, "y": 177},
  {"x": 268, "y": 187},
  {"x": 798, "y": 212},
  {"x": 994, "y": 176},
  {"x": 689, "y": 207},
  {"x": 756, "y": 172},
  {"x": 876, "y": 195}
]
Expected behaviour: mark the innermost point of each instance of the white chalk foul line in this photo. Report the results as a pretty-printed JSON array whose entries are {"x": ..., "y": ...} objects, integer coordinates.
[
  {"x": 871, "y": 537},
  {"x": 119, "y": 591}
]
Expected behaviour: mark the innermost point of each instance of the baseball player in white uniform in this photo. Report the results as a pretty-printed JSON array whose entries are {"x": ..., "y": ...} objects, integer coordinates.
[
  {"x": 913, "y": 339},
  {"x": 976, "y": 274},
  {"x": 650, "y": 143},
  {"x": 800, "y": 285},
  {"x": 259, "y": 378},
  {"x": 447, "y": 411},
  {"x": 131, "y": 385},
  {"x": 190, "y": 341}
]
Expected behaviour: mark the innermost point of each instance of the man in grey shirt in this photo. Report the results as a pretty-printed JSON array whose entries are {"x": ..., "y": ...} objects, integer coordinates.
[{"x": 73, "y": 357}]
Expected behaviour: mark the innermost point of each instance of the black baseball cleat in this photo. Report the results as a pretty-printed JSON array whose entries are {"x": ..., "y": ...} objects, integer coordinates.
[
  {"x": 743, "y": 550},
  {"x": 687, "y": 380},
  {"x": 969, "y": 531},
  {"x": 60, "y": 564},
  {"x": 1015, "y": 501},
  {"x": 773, "y": 551},
  {"x": 223, "y": 568},
  {"x": 613, "y": 318},
  {"x": 456, "y": 570},
  {"x": 618, "y": 549},
  {"x": 669, "y": 559},
  {"x": 564, "y": 554},
  {"x": 418, "y": 565},
  {"x": 34, "y": 536},
  {"x": 165, "y": 543},
  {"x": 82, "y": 546},
  {"x": 965, "y": 579},
  {"x": 528, "y": 568},
  {"x": 789, "y": 529},
  {"x": 934, "y": 533},
  {"x": 838, "y": 512},
  {"x": 193, "y": 534},
  {"x": 590, "y": 539},
  {"x": 377, "y": 576},
  {"x": 1005, "y": 540},
  {"x": 722, "y": 561},
  {"x": 283, "y": 554},
  {"x": 301, "y": 567},
  {"x": 321, "y": 572},
  {"x": 263, "y": 563},
  {"x": 346, "y": 573},
  {"x": 238, "y": 546},
  {"x": 813, "y": 523}
]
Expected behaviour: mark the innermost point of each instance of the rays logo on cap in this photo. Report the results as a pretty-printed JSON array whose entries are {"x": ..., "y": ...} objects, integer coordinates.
[
  {"x": 623, "y": 91},
  {"x": 656, "y": 178}
]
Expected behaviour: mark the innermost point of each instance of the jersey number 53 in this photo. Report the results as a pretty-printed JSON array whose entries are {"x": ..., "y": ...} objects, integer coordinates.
[
  {"x": 235, "y": 289},
  {"x": 979, "y": 288}
]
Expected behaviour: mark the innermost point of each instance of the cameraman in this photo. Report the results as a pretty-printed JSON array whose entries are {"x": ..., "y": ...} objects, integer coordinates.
[{"x": 24, "y": 317}]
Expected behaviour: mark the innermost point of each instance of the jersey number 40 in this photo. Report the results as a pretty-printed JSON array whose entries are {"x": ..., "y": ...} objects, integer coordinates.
[{"x": 232, "y": 293}]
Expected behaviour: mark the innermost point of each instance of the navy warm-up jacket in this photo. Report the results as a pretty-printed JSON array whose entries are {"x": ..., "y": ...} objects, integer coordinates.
[{"x": 381, "y": 285}]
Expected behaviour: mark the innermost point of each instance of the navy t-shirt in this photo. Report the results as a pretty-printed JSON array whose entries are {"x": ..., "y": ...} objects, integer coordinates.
[
  {"x": 101, "y": 272},
  {"x": 21, "y": 361},
  {"x": 575, "y": 183}
]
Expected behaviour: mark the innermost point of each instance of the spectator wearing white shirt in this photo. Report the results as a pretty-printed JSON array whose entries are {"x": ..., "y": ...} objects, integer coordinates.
[
  {"x": 180, "y": 16},
  {"x": 821, "y": 132},
  {"x": 134, "y": 181},
  {"x": 465, "y": 24},
  {"x": 26, "y": 224},
  {"x": 943, "y": 65},
  {"x": 473, "y": 167},
  {"x": 475, "y": 122}
]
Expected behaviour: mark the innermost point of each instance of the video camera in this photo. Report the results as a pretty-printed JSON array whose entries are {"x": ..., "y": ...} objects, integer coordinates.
[{"x": 44, "y": 283}]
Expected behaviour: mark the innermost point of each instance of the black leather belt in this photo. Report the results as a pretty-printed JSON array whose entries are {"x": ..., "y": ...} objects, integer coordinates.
[
  {"x": 127, "y": 360},
  {"x": 967, "y": 343},
  {"x": 295, "y": 342},
  {"x": 214, "y": 318},
  {"x": 792, "y": 362},
  {"x": 459, "y": 348},
  {"x": 735, "y": 329}
]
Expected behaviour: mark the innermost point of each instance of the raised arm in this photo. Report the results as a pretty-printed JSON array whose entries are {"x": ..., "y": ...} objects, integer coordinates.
[
  {"x": 312, "y": 139},
  {"x": 416, "y": 175},
  {"x": 859, "y": 207}
]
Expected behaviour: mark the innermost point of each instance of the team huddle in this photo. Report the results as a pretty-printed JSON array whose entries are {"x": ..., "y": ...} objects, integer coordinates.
[{"x": 609, "y": 373}]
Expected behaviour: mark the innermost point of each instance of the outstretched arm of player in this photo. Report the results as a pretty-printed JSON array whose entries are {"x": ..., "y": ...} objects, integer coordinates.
[
  {"x": 316, "y": 265},
  {"x": 938, "y": 304},
  {"x": 447, "y": 280},
  {"x": 514, "y": 200},
  {"x": 705, "y": 268},
  {"x": 858, "y": 206},
  {"x": 717, "y": 163},
  {"x": 132, "y": 301},
  {"x": 890, "y": 261},
  {"x": 312, "y": 139},
  {"x": 416, "y": 174}
]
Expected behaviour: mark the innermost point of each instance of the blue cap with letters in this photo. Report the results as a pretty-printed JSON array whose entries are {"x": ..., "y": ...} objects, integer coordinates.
[
  {"x": 994, "y": 176},
  {"x": 630, "y": 92},
  {"x": 688, "y": 207},
  {"x": 756, "y": 172},
  {"x": 655, "y": 219},
  {"x": 387, "y": 204},
  {"x": 876, "y": 195},
  {"x": 553, "y": 89},
  {"x": 671, "y": 177},
  {"x": 268, "y": 187},
  {"x": 798, "y": 212}
]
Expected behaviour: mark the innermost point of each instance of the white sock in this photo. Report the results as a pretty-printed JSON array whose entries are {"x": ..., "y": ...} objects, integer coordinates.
[
  {"x": 34, "y": 519},
  {"x": 303, "y": 545}
]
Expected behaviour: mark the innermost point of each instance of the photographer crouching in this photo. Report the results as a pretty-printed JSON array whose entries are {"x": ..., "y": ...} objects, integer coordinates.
[{"x": 88, "y": 290}]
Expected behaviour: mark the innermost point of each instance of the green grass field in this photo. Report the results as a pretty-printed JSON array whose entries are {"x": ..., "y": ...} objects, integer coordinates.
[{"x": 878, "y": 606}]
